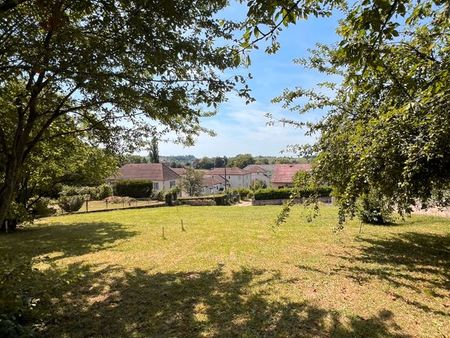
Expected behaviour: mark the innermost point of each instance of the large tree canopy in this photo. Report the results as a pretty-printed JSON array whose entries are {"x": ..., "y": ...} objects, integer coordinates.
[
  {"x": 113, "y": 67},
  {"x": 387, "y": 127}
]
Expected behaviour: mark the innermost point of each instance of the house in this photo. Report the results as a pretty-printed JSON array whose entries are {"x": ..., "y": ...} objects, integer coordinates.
[
  {"x": 235, "y": 177},
  {"x": 258, "y": 173},
  {"x": 283, "y": 174},
  {"x": 163, "y": 177},
  {"x": 212, "y": 184},
  {"x": 179, "y": 171}
]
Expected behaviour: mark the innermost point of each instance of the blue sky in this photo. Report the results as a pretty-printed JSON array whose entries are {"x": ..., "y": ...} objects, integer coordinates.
[{"x": 241, "y": 128}]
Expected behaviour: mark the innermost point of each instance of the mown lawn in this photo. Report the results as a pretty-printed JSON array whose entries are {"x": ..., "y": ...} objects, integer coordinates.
[{"x": 229, "y": 274}]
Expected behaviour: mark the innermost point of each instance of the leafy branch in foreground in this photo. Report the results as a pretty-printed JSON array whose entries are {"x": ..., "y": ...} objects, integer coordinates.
[{"x": 387, "y": 120}]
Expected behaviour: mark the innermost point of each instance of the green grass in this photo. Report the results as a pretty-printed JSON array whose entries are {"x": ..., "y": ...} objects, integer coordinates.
[{"x": 229, "y": 274}]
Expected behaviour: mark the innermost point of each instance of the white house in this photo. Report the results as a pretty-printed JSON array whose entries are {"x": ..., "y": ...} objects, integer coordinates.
[
  {"x": 234, "y": 177},
  {"x": 212, "y": 184},
  {"x": 163, "y": 177},
  {"x": 258, "y": 173}
]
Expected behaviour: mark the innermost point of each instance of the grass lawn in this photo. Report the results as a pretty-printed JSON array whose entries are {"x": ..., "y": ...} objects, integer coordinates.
[
  {"x": 228, "y": 274},
  {"x": 102, "y": 205}
]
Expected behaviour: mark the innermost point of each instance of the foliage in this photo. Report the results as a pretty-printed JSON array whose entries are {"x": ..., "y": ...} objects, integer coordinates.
[
  {"x": 372, "y": 208},
  {"x": 56, "y": 67},
  {"x": 244, "y": 193},
  {"x": 270, "y": 194},
  {"x": 257, "y": 184},
  {"x": 241, "y": 160},
  {"x": 388, "y": 119},
  {"x": 219, "y": 199},
  {"x": 153, "y": 154},
  {"x": 171, "y": 196},
  {"x": 93, "y": 193},
  {"x": 133, "y": 188},
  {"x": 119, "y": 200},
  {"x": 71, "y": 203},
  {"x": 204, "y": 163},
  {"x": 41, "y": 208},
  {"x": 192, "y": 182}
]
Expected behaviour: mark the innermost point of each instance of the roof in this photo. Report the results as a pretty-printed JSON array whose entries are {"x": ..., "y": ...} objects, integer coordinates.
[
  {"x": 179, "y": 171},
  {"x": 146, "y": 171},
  {"x": 229, "y": 171},
  {"x": 284, "y": 173},
  {"x": 255, "y": 169},
  {"x": 209, "y": 181}
]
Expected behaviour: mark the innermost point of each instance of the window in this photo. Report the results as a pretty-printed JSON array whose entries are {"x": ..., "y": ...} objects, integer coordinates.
[
  {"x": 155, "y": 185},
  {"x": 172, "y": 184}
]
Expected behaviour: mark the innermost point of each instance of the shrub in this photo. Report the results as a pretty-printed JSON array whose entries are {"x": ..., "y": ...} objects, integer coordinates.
[
  {"x": 199, "y": 202},
  {"x": 244, "y": 193},
  {"x": 273, "y": 194},
  {"x": 71, "y": 203},
  {"x": 119, "y": 199},
  {"x": 171, "y": 196},
  {"x": 103, "y": 191},
  {"x": 93, "y": 193},
  {"x": 134, "y": 188},
  {"x": 372, "y": 209},
  {"x": 41, "y": 208}
]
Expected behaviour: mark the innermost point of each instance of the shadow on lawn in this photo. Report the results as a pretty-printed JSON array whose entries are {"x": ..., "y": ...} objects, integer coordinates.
[
  {"x": 417, "y": 262},
  {"x": 81, "y": 300},
  {"x": 68, "y": 240},
  {"x": 87, "y": 301}
]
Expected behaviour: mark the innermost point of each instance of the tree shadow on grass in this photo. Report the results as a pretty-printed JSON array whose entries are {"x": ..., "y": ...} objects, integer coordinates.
[
  {"x": 194, "y": 304},
  {"x": 68, "y": 240},
  {"x": 406, "y": 257},
  {"x": 412, "y": 261}
]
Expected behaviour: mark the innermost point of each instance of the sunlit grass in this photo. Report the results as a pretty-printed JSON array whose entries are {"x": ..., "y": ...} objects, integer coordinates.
[{"x": 136, "y": 272}]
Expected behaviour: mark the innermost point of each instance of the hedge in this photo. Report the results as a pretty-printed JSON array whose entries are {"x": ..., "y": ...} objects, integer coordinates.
[
  {"x": 220, "y": 199},
  {"x": 134, "y": 188},
  {"x": 274, "y": 194},
  {"x": 95, "y": 193},
  {"x": 71, "y": 203}
]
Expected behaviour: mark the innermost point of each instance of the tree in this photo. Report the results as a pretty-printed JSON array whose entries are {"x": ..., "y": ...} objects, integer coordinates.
[
  {"x": 154, "y": 151},
  {"x": 205, "y": 163},
  {"x": 192, "y": 182},
  {"x": 113, "y": 67},
  {"x": 219, "y": 162},
  {"x": 387, "y": 125},
  {"x": 242, "y": 160}
]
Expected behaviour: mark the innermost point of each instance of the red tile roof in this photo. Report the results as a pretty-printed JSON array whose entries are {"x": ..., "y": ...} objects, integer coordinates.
[
  {"x": 284, "y": 173},
  {"x": 230, "y": 171},
  {"x": 209, "y": 181},
  {"x": 146, "y": 171},
  {"x": 255, "y": 169},
  {"x": 179, "y": 171}
]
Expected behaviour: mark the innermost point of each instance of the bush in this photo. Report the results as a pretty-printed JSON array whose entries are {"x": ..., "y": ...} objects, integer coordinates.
[
  {"x": 244, "y": 193},
  {"x": 372, "y": 209},
  {"x": 103, "y": 191},
  {"x": 199, "y": 202},
  {"x": 274, "y": 194},
  {"x": 119, "y": 200},
  {"x": 41, "y": 208},
  {"x": 171, "y": 196},
  {"x": 71, "y": 203},
  {"x": 92, "y": 193},
  {"x": 220, "y": 199},
  {"x": 134, "y": 188}
]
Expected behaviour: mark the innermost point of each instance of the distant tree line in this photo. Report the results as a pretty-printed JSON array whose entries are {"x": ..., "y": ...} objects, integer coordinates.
[{"x": 240, "y": 160}]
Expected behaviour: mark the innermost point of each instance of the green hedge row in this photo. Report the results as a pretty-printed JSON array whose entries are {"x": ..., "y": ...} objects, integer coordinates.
[
  {"x": 95, "y": 193},
  {"x": 220, "y": 199},
  {"x": 134, "y": 188},
  {"x": 275, "y": 194}
]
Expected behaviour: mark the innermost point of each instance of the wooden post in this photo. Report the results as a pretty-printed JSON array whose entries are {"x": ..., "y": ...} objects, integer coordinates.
[
  {"x": 163, "y": 235},
  {"x": 182, "y": 226},
  {"x": 87, "y": 206}
]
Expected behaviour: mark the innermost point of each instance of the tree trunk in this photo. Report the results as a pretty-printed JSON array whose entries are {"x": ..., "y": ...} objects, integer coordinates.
[{"x": 7, "y": 191}]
